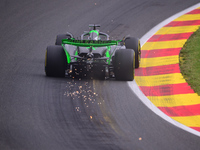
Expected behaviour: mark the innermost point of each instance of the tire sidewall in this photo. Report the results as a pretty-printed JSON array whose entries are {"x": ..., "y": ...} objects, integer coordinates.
[{"x": 134, "y": 43}]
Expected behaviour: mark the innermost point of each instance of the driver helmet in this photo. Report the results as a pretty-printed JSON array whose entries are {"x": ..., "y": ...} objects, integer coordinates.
[{"x": 94, "y": 35}]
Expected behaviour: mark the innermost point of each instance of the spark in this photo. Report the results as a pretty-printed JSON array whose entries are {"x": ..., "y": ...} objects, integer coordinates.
[{"x": 77, "y": 108}]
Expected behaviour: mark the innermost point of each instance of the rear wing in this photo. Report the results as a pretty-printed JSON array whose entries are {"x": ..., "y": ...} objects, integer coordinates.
[{"x": 90, "y": 43}]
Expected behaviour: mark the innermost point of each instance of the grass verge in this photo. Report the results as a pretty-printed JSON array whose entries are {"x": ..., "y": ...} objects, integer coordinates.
[{"x": 190, "y": 61}]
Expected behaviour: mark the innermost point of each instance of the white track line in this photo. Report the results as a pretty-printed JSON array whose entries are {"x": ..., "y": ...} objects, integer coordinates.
[{"x": 134, "y": 87}]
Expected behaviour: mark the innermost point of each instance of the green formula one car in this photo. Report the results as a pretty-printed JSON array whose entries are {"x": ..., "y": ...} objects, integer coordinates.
[{"x": 94, "y": 55}]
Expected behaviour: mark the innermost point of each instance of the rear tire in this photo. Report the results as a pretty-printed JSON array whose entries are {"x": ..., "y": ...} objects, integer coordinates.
[
  {"x": 55, "y": 61},
  {"x": 124, "y": 64},
  {"x": 134, "y": 43},
  {"x": 60, "y": 37}
]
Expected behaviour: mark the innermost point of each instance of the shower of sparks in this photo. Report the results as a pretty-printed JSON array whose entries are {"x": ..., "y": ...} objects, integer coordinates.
[{"x": 84, "y": 92}]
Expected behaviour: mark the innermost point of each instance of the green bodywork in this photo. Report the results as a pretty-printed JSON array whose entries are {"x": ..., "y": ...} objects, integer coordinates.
[
  {"x": 95, "y": 31},
  {"x": 88, "y": 44}
]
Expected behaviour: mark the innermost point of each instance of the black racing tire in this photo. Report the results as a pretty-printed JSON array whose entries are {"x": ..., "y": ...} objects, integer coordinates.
[
  {"x": 124, "y": 64},
  {"x": 55, "y": 61},
  {"x": 134, "y": 43},
  {"x": 60, "y": 37}
]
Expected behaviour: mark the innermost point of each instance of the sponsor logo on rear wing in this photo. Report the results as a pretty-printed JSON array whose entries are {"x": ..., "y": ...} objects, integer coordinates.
[{"x": 88, "y": 43}]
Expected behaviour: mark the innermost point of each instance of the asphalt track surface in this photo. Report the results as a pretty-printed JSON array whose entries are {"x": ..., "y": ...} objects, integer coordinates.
[{"x": 37, "y": 112}]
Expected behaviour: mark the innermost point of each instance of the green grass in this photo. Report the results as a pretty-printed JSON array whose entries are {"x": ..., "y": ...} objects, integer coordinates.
[{"x": 190, "y": 61}]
